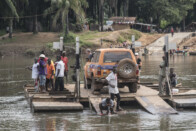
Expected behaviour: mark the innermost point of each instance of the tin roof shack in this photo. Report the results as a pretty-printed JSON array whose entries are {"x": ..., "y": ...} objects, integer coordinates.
[
  {"x": 120, "y": 23},
  {"x": 144, "y": 27},
  {"x": 191, "y": 27}
]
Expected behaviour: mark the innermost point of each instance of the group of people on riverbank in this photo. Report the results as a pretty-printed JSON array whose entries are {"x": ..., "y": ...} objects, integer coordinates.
[
  {"x": 44, "y": 71},
  {"x": 124, "y": 44}
]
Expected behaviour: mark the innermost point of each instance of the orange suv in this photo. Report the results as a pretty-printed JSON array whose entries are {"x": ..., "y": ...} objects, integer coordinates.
[{"x": 103, "y": 62}]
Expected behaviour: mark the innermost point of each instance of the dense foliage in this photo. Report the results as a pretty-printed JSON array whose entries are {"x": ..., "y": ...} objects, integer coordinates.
[{"x": 55, "y": 15}]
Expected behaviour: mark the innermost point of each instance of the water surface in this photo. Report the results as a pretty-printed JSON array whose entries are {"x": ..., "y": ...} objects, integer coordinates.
[{"x": 16, "y": 115}]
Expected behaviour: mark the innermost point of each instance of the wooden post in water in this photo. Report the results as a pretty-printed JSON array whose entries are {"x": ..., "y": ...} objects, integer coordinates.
[
  {"x": 166, "y": 52},
  {"x": 133, "y": 44},
  {"x": 77, "y": 68},
  {"x": 61, "y": 44}
]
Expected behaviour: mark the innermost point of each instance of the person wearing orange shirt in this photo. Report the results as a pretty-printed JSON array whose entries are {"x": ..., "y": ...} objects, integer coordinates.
[
  {"x": 65, "y": 61},
  {"x": 50, "y": 75}
]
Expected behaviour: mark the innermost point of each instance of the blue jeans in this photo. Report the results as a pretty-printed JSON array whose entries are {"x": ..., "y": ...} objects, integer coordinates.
[{"x": 42, "y": 80}]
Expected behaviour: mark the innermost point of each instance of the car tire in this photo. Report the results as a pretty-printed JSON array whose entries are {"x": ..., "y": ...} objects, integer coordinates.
[
  {"x": 127, "y": 68},
  {"x": 95, "y": 86},
  {"x": 133, "y": 88}
]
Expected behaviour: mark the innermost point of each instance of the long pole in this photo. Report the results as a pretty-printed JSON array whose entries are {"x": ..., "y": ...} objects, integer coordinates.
[
  {"x": 133, "y": 43},
  {"x": 166, "y": 52},
  {"x": 77, "y": 68}
]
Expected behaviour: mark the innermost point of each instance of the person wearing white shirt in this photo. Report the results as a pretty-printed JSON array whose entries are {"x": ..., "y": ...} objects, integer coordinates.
[
  {"x": 35, "y": 74},
  {"x": 113, "y": 87},
  {"x": 106, "y": 104},
  {"x": 59, "y": 74}
]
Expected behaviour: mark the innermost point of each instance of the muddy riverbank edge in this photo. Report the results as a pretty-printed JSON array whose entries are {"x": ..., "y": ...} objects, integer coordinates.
[{"x": 27, "y": 44}]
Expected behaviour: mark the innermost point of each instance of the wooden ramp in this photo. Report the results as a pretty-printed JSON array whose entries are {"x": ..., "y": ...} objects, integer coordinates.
[
  {"x": 185, "y": 102},
  {"x": 94, "y": 101},
  {"x": 56, "y": 106},
  {"x": 155, "y": 105}
]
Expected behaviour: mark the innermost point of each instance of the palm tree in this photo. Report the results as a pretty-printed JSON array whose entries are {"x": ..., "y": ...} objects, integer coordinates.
[
  {"x": 8, "y": 10},
  {"x": 62, "y": 8},
  {"x": 101, "y": 13}
]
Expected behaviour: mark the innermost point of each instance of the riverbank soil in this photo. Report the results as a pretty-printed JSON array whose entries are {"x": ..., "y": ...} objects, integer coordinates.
[
  {"x": 30, "y": 44},
  {"x": 22, "y": 43},
  {"x": 146, "y": 39},
  {"x": 117, "y": 37},
  {"x": 191, "y": 44},
  {"x": 114, "y": 37}
]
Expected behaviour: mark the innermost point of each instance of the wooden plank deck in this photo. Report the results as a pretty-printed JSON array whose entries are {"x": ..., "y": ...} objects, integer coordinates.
[
  {"x": 86, "y": 93},
  {"x": 185, "y": 102},
  {"x": 56, "y": 106},
  {"x": 146, "y": 96}
]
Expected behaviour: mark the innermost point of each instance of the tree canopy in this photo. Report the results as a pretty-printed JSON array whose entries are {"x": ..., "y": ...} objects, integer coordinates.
[{"x": 50, "y": 13}]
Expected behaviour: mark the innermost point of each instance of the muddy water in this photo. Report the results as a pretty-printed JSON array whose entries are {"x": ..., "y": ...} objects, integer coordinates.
[{"x": 15, "y": 113}]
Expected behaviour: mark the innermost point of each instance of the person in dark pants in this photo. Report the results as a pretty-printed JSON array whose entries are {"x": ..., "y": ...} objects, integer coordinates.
[
  {"x": 106, "y": 104},
  {"x": 139, "y": 61},
  {"x": 162, "y": 75},
  {"x": 112, "y": 82},
  {"x": 50, "y": 75},
  {"x": 172, "y": 77},
  {"x": 59, "y": 74},
  {"x": 172, "y": 31}
]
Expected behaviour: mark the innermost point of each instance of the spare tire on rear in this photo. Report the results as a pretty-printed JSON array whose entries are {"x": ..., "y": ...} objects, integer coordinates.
[{"x": 127, "y": 68}]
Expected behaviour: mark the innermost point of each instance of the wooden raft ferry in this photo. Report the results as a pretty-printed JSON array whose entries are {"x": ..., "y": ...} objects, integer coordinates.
[{"x": 146, "y": 96}]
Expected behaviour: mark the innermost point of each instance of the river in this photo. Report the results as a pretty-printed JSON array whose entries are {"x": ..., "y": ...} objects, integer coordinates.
[{"x": 16, "y": 115}]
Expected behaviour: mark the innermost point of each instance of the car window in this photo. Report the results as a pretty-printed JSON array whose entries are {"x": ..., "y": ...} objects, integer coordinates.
[
  {"x": 96, "y": 57},
  {"x": 116, "y": 56}
]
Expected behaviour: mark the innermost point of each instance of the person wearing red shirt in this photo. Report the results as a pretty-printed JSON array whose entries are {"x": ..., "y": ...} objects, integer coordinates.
[
  {"x": 172, "y": 31},
  {"x": 65, "y": 61},
  {"x": 45, "y": 59}
]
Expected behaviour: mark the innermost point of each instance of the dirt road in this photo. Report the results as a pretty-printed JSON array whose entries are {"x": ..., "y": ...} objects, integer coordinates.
[{"x": 157, "y": 46}]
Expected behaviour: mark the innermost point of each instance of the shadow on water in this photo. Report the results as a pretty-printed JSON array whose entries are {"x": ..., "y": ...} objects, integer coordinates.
[{"x": 15, "y": 113}]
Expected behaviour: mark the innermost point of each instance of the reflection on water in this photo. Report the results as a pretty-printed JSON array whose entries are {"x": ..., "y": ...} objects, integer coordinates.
[
  {"x": 184, "y": 67},
  {"x": 15, "y": 113}
]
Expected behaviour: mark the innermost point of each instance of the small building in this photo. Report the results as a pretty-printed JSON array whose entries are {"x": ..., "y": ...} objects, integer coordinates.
[
  {"x": 191, "y": 27},
  {"x": 120, "y": 23},
  {"x": 144, "y": 27}
]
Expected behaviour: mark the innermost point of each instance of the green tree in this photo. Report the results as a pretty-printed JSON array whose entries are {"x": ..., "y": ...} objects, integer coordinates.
[
  {"x": 8, "y": 10},
  {"x": 172, "y": 11},
  {"x": 101, "y": 13},
  {"x": 62, "y": 8},
  {"x": 184, "y": 6}
]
